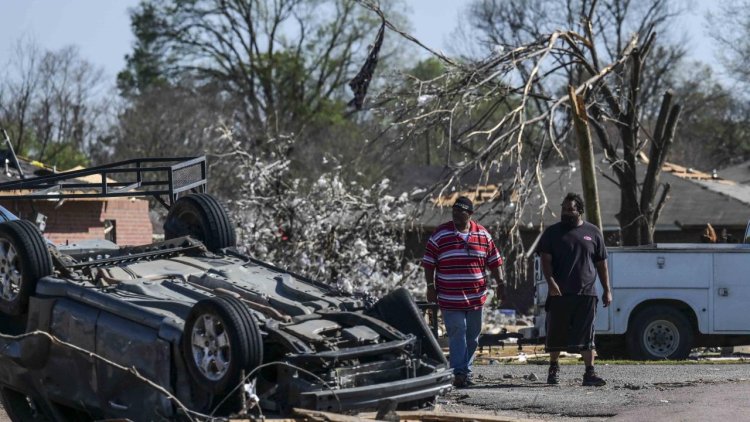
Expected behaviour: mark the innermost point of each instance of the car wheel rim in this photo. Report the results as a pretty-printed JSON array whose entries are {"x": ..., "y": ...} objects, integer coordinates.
[
  {"x": 211, "y": 349},
  {"x": 10, "y": 271},
  {"x": 661, "y": 338}
]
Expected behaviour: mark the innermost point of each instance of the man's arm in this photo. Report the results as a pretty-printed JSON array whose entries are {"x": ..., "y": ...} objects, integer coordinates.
[
  {"x": 429, "y": 275},
  {"x": 497, "y": 275},
  {"x": 554, "y": 289},
  {"x": 601, "y": 269}
]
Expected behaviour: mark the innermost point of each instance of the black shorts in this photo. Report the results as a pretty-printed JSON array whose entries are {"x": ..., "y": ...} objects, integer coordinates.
[{"x": 570, "y": 323}]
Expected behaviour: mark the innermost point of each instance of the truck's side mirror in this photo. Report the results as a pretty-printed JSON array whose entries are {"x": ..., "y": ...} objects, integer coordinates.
[{"x": 746, "y": 238}]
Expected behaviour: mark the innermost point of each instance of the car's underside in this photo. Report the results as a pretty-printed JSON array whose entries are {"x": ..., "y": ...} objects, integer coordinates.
[{"x": 319, "y": 348}]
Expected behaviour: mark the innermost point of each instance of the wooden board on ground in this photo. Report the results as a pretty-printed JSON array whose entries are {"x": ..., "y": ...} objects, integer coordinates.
[{"x": 303, "y": 415}]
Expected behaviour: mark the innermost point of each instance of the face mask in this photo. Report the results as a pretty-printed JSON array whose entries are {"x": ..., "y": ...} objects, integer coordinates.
[{"x": 570, "y": 220}]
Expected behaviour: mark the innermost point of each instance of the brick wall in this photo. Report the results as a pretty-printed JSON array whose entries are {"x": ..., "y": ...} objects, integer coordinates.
[
  {"x": 132, "y": 223},
  {"x": 74, "y": 220}
]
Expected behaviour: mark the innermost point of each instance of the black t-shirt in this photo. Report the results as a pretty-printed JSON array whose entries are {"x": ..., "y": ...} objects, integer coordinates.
[{"x": 574, "y": 252}]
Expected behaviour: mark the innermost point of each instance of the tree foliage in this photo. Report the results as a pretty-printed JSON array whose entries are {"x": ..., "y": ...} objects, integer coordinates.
[
  {"x": 285, "y": 61},
  {"x": 266, "y": 68},
  {"x": 146, "y": 65}
]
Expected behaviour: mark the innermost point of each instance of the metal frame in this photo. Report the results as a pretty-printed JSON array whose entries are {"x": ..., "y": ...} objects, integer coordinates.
[{"x": 136, "y": 178}]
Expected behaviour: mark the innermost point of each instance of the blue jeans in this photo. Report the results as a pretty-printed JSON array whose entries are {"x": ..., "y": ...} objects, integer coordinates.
[{"x": 463, "y": 328}]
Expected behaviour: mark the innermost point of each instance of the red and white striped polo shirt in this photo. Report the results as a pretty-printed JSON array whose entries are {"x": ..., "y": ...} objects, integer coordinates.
[{"x": 460, "y": 278}]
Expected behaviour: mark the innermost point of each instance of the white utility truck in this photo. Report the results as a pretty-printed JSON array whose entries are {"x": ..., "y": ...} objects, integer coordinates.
[{"x": 667, "y": 299}]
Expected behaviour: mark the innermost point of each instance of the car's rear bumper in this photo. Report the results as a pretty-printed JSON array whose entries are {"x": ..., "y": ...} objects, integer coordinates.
[{"x": 369, "y": 397}]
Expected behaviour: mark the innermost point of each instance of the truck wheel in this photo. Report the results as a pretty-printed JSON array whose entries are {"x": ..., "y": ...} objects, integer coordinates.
[
  {"x": 202, "y": 216},
  {"x": 398, "y": 309},
  {"x": 221, "y": 340},
  {"x": 660, "y": 332},
  {"x": 24, "y": 259}
]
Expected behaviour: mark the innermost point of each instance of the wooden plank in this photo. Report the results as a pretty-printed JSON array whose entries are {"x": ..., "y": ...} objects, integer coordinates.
[
  {"x": 304, "y": 415},
  {"x": 441, "y": 416},
  {"x": 320, "y": 416}
]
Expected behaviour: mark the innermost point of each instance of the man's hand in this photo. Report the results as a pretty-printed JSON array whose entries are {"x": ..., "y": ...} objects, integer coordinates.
[
  {"x": 429, "y": 278},
  {"x": 554, "y": 289},
  {"x": 500, "y": 293},
  {"x": 499, "y": 284},
  {"x": 607, "y": 298},
  {"x": 431, "y": 293}
]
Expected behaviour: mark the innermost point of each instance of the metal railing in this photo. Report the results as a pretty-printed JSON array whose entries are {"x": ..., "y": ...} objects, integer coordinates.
[{"x": 157, "y": 177}]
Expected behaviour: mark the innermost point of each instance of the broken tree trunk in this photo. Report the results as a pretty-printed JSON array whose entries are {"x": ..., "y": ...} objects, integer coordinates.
[{"x": 586, "y": 157}]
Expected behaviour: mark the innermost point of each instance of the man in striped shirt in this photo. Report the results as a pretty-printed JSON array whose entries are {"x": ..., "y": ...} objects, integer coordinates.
[{"x": 455, "y": 260}]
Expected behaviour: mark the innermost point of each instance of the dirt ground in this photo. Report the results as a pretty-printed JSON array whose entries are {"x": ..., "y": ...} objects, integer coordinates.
[{"x": 633, "y": 392}]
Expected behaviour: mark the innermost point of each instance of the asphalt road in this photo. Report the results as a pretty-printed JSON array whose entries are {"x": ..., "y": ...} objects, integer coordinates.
[
  {"x": 719, "y": 392},
  {"x": 633, "y": 393}
]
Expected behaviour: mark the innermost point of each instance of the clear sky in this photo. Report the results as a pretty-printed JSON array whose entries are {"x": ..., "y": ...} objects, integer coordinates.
[{"x": 101, "y": 28}]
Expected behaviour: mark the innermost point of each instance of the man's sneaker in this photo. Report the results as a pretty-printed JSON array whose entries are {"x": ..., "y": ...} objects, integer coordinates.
[
  {"x": 462, "y": 381},
  {"x": 590, "y": 379},
  {"x": 459, "y": 380},
  {"x": 553, "y": 376}
]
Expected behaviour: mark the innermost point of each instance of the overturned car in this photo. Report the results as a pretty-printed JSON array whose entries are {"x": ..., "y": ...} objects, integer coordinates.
[{"x": 189, "y": 327}]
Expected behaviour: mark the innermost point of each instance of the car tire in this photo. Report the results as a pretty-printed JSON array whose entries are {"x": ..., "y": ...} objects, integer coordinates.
[
  {"x": 24, "y": 259},
  {"x": 202, "y": 216},
  {"x": 216, "y": 357},
  {"x": 20, "y": 407},
  {"x": 658, "y": 333},
  {"x": 398, "y": 309}
]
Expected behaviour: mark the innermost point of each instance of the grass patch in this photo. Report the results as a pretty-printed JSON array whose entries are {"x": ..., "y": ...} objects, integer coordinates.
[
  {"x": 578, "y": 361},
  {"x": 535, "y": 355},
  {"x": 673, "y": 362}
]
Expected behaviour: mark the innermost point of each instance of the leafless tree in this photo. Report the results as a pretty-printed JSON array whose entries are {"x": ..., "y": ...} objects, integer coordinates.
[
  {"x": 54, "y": 104},
  {"x": 729, "y": 27},
  {"x": 18, "y": 93},
  {"x": 518, "y": 78},
  {"x": 500, "y": 24},
  {"x": 712, "y": 132}
]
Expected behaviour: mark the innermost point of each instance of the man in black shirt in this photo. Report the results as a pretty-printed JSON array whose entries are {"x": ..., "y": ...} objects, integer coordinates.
[{"x": 573, "y": 253}]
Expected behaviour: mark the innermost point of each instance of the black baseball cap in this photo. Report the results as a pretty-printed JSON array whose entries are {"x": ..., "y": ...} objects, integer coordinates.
[{"x": 465, "y": 204}]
